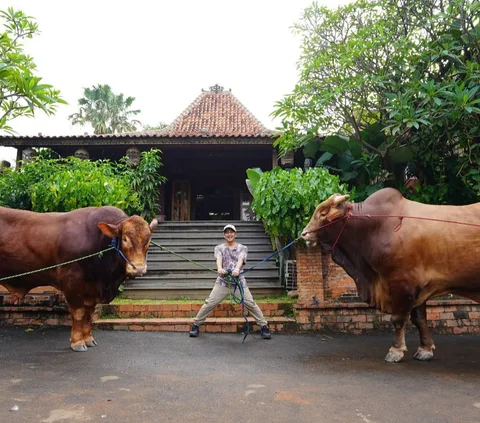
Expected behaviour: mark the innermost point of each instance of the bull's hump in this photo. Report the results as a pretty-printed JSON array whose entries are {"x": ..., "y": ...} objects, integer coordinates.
[
  {"x": 109, "y": 214},
  {"x": 385, "y": 195}
]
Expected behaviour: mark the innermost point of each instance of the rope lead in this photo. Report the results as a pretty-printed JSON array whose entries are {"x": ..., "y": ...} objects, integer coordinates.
[{"x": 232, "y": 280}]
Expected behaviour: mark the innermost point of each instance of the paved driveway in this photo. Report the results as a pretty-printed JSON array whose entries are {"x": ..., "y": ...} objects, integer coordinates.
[{"x": 135, "y": 377}]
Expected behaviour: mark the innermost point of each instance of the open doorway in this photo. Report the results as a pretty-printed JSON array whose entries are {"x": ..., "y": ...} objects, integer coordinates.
[{"x": 214, "y": 204}]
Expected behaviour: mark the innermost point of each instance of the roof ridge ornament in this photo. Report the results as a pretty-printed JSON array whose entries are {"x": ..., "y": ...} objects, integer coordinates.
[{"x": 216, "y": 88}]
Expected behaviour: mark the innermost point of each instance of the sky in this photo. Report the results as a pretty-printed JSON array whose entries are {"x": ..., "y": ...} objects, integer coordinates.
[{"x": 163, "y": 53}]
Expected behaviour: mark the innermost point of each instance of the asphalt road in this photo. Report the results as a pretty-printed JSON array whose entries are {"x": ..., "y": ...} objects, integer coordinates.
[{"x": 135, "y": 377}]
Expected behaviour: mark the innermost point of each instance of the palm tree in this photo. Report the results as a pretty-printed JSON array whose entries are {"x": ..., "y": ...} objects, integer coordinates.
[{"x": 107, "y": 112}]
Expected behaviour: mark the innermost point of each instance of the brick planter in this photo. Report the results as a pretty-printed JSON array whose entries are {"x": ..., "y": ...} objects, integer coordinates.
[
  {"x": 187, "y": 310},
  {"x": 34, "y": 316},
  {"x": 447, "y": 317}
]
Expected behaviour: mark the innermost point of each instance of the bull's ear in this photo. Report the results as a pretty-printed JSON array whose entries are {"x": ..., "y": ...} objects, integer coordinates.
[
  {"x": 339, "y": 199},
  {"x": 153, "y": 224},
  {"x": 108, "y": 229}
]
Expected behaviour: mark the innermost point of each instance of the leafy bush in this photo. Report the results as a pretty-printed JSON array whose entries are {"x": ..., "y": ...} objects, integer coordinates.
[
  {"x": 14, "y": 189},
  {"x": 286, "y": 200},
  {"x": 145, "y": 181},
  {"x": 46, "y": 185}
]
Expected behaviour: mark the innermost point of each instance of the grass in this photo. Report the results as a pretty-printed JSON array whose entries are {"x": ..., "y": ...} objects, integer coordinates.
[{"x": 124, "y": 300}]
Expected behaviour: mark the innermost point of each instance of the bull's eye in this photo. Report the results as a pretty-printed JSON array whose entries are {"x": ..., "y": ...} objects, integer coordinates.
[{"x": 126, "y": 242}]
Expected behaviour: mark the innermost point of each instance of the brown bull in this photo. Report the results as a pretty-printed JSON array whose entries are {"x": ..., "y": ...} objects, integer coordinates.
[
  {"x": 398, "y": 264},
  {"x": 31, "y": 241}
]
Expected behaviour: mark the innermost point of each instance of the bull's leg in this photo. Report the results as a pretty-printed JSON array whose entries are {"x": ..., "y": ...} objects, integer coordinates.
[
  {"x": 401, "y": 306},
  {"x": 87, "y": 325},
  {"x": 77, "y": 310},
  {"x": 397, "y": 350},
  {"x": 419, "y": 319},
  {"x": 77, "y": 342}
]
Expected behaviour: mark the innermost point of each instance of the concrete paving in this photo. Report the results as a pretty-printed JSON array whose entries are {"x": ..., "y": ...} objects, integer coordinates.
[{"x": 142, "y": 377}]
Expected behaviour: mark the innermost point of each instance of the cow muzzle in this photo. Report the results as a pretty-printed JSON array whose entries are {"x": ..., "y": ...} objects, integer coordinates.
[
  {"x": 135, "y": 270},
  {"x": 309, "y": 238}
]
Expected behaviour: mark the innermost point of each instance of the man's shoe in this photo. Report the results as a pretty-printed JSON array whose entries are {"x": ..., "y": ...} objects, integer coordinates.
[
  {"x": 265, "y": 332},
  {"x": 194, "y": 331}
]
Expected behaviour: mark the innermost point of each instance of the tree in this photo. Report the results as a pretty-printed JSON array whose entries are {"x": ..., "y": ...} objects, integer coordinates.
[
  {"x": 157, "y": 127},
  {"x": 21, "y": 91},
  {"x": 396, "y": 80},
  {"x": 108, "y": 113}
]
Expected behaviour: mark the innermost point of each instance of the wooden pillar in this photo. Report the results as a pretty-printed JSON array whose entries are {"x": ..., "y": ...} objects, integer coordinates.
[{"x": 274, "y": 159}]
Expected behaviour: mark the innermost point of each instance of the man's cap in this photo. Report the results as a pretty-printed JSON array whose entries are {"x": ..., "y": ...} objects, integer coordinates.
[{"x": 230, "y": 226}]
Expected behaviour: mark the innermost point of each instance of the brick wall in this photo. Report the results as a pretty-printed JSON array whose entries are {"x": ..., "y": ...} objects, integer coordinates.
[
  {"x": 309, "y": 276},
  {"x": 332, "y": 308},
  {"x": 318, "y": 276},
  {"x": 40, "y": 296},
  {"x": 188, "y": 310},
  {"x": 34, "y": 316},
  {"x": 447, "y": 316}
]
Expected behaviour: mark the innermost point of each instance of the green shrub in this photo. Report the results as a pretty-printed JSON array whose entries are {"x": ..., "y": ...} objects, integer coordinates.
[
  {"x": 60, "y": 185},
  {"x": 145, "y": 180},
  {"x": 285, "y": 200}
]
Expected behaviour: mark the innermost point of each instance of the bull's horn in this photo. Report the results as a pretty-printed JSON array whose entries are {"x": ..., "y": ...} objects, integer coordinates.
[{"x": 339, "y": 199}]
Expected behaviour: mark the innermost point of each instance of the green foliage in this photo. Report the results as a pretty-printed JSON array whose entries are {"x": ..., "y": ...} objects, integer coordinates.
[
  {"x": 47, "y": 185},
  {"x": 286, "y": 200},
  {"x": 344, "y": 157},
  {"x": 253, "y": 175},
  {"x": 108, "y": 113},
  {"x": 401, "y": 79},
  {"x": 157, "y": 127},
  {"x": 21, "y": 91},
  {"x": 428, "y": 194},
  {"x": 15, "y": 189},
  {"x": 145, "y": 181}
]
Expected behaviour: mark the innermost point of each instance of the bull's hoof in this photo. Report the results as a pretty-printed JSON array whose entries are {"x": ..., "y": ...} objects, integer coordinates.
[
  {"x": 91, "y": 343},
  {"x": 79, "y": 347},
  {"x": 423, "y": 355},
  {"x": 394, "y": 355}
]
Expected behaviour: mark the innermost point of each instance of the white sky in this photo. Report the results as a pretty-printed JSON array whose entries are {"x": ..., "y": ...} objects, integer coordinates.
[{"x": 162, "y": 53}]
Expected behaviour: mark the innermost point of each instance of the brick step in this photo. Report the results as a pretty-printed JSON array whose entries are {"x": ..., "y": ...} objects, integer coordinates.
[
  {"x": 187, "y": 310},
  {"x": 213, "y": 324}
]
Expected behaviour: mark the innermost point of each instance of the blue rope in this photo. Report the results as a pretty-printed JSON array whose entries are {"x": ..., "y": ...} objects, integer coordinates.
[
  {"x": 115, "y": 242},
  {"x": 232, "y": 279},
  {"x": 270, "y": 256}
]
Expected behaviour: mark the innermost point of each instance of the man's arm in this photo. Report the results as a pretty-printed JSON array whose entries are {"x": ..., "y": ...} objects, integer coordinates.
[
  {"x": 220, "y": 269},
  {"x": 242, "y": 258}
]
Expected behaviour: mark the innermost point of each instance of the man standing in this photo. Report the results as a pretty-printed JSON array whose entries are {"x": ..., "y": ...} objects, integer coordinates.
[{"x": 230, "y": 255}]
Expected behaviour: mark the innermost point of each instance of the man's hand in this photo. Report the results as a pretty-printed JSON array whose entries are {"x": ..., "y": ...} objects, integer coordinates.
[
  {"x": 221, "y": 272},
  {"x": 235, "y": 273}
]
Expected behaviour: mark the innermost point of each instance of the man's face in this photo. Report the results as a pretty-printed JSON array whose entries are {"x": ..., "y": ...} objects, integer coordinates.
[{"x": 229, "y": 235}]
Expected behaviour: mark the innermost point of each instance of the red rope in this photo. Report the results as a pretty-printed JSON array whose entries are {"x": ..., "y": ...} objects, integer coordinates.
[
  {"x": 400, "y": 217},
  {"x": 349, "y": 215}
]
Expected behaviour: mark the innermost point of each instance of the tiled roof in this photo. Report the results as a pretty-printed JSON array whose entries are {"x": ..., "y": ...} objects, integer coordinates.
[{"x": 216, "y": 113}]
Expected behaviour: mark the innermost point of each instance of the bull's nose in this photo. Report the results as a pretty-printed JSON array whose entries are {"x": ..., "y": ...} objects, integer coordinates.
[{"x": 138, "y": 270}]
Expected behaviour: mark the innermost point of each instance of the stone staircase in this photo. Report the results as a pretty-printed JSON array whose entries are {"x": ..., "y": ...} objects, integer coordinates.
[{"x": 171, "y": 276}]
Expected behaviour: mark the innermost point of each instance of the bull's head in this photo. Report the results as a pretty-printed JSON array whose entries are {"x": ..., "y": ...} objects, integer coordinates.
[
  {"x": 135, "y": 235},
  {"x": 326, "y": 212}
]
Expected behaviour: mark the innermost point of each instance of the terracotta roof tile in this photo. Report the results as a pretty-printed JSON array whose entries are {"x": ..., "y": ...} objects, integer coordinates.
[{"x": 216, "y": 113}]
